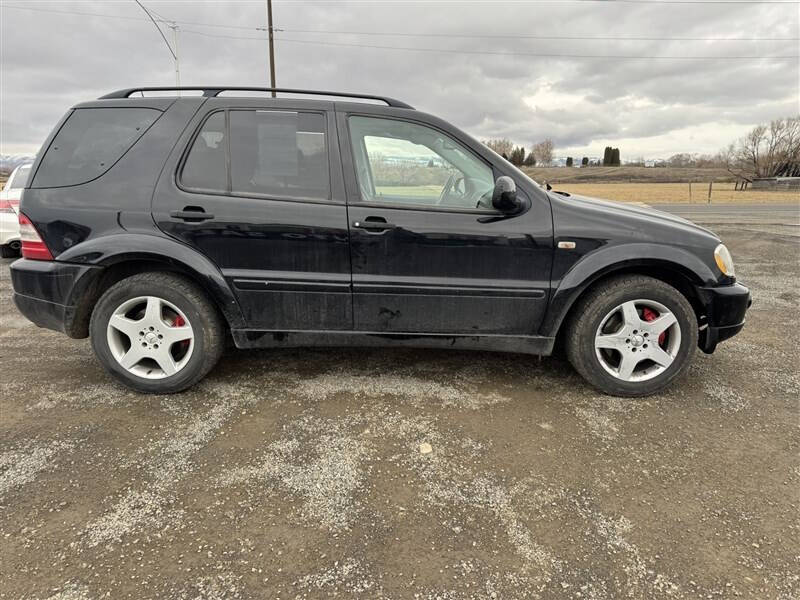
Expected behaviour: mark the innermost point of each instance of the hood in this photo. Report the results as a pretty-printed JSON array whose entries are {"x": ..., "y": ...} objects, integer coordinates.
[{"x": 632, "y": 210}]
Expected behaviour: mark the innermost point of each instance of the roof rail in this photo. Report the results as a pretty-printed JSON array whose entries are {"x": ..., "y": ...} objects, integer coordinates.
[{"x": 212, "y": 92}]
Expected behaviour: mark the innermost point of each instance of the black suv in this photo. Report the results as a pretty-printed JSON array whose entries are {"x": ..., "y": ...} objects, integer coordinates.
[{"x": 163, "y": 225}]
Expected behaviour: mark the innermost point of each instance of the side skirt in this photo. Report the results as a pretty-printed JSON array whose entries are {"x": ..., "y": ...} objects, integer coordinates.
[{"x": 522, "y": 344}]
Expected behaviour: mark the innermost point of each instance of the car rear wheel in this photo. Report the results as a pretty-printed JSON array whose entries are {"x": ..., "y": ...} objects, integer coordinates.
[
  {"x": 10, "y": 250},
  {"x": 156, "y": 332},
  {"x": 632, "y": 336}
]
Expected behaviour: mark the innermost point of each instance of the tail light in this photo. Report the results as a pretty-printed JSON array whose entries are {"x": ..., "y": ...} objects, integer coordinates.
[
  {"x": 9, "y": 206},
  {"x": 33, "y": 245}
]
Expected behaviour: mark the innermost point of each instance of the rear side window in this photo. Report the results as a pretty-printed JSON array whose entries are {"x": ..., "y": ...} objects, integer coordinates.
[
  {"x": 90, "y": 142},
  {"x": 279, "y": 154},
  {"x": 205, "y": 167}
]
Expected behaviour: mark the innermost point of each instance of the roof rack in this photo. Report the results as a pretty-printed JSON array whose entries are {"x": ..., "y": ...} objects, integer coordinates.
[{"x": 212, "y": 92}]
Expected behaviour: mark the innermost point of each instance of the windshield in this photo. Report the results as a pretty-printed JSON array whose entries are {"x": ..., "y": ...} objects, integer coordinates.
[{"x": 19, "y": 178}]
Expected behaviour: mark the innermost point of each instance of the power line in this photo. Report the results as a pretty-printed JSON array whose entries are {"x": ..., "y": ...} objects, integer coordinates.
[
  {"x": 540, "y": 37},
  {"x": 489, "y": 52},
  {"x": 123, "y": 17},
  {"x": 535, "y": 54},
  {"x": 161, "y": 33},
  {"x": 412, "y": 34},
  {"x": 71, "y": 12},
  {"x": 652, "y": 2}
]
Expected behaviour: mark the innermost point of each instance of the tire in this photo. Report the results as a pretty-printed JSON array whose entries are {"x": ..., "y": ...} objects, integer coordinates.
[
  {"x": 604, "y": 336},
  {"x": 174, "y": 334},
  {"x": 8, "y": 251}
]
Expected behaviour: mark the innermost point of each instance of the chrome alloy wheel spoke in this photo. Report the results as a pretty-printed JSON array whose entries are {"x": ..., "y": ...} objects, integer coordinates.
[
  {"x": 143, "y": 340},
  {"x": 628, "y": 345}
]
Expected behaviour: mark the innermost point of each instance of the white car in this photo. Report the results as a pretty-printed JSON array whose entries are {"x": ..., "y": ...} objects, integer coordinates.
[{"x": 9, "y": 209}]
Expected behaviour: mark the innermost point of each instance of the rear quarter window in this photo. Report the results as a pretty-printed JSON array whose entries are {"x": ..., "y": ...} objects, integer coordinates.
[{"x": 90, "y": 142}]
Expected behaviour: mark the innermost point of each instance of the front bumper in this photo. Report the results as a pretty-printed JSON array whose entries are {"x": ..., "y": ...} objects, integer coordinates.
[
  {"x": 725, "y": 308},
  {"x": 44, "y": 292}
]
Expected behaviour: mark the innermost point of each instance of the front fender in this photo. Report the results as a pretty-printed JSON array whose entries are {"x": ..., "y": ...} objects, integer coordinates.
[
  {"x": 619, "y": 257},
  {"x": 110, "y": 250}
]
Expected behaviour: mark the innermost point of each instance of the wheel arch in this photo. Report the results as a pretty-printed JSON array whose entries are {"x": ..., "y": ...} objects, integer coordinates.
[
  {"x": 125, "y": 255},
  {"x": 685, "y": 275}
]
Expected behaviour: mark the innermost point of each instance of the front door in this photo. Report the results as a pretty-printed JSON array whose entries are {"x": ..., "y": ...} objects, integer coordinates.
[
  {"x": 256, "y": 192},
  {"x": 429, "y": 254}
]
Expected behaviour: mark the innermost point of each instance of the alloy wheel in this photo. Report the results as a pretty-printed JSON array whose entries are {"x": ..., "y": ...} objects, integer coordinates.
[
  {"x": 150, "y": 337},
  {"x": 637, "y": 340}
]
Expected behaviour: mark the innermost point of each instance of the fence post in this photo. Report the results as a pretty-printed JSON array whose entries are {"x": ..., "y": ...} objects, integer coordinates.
[{"x": 710, "y": 183}]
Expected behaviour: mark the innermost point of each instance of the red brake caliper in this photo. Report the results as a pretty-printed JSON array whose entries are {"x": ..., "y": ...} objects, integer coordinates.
[
  {"x": 649, "y": 314},
  {"x": 180, "y": 322}
]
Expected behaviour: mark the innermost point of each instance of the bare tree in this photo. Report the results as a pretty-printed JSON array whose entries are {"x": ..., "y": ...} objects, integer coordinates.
[
  {"x": 771, "y": 150},
  {"x": 543, "y": 152},
  {"x": 682, "y": 159},
  {"x": 727, "y": 156},
  {"x": 750, "y": 149},
  {"x": 502, "y": 146}
]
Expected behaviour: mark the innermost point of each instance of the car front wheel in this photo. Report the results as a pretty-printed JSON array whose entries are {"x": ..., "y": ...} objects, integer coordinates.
[{"x": 632, "y": 336}]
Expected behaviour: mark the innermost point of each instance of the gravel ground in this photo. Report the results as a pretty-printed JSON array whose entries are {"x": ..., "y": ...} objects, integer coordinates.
[{"x": 307, "y": 473}]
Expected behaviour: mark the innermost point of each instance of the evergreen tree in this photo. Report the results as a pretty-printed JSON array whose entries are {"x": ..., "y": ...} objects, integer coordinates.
[
  {"x": 615, "y": 157},
  {"x": 607, "y": 156},
  {"x": 569, "y": 161},
  {"x": 585, "y": 161},
  {"x": 517, "y": 156}
]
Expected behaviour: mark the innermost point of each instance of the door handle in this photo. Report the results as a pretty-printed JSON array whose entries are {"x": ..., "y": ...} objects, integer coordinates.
[
  {"x": 374, "y": 224},
  {"x": 191, "y": 213}
]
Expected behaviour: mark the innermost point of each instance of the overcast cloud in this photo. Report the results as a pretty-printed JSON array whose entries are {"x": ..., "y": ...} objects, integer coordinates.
[{"x": 648, "y": 107}]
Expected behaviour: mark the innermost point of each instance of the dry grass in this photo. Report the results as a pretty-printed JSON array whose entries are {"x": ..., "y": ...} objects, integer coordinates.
[
  {"x": 627, "y": 174},
  {"x": 653, "y": 193}
]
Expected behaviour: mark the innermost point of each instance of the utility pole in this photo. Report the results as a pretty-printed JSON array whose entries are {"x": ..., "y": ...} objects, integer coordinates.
[
  {"x": 174, "y": 27},
  {"x": 271, "y": 47}
]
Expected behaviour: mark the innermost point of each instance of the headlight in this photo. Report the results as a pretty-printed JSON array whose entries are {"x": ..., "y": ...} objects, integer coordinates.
[{"x": 724, "y": 260}]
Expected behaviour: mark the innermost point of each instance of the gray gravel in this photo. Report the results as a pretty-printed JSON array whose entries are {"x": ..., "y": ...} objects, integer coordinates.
[{"x": 308, "y": 474}]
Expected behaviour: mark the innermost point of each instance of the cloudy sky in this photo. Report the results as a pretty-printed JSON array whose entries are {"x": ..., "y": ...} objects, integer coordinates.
[{"x": 521, "y": 70}]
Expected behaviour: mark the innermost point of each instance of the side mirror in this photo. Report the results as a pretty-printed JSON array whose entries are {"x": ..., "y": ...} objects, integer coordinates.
[{"x": 504, "y": 196}]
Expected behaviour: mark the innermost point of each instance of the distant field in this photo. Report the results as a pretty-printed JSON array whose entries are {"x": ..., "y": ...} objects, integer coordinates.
[
  {"x": 424, "y": 191},
  {"x": 651, "y": 193},
  {"x": 626, "y": 174}
]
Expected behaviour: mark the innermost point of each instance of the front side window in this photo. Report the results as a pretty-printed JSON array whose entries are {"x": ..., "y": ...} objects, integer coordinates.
[
  {"x": 280, "y": 154},
  {"x": 404, "y": 163}
]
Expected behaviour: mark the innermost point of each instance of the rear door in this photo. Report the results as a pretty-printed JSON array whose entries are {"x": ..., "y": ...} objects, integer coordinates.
[
  {"x": 429, "y": 253},
  {"x": 256, "y": 186}
]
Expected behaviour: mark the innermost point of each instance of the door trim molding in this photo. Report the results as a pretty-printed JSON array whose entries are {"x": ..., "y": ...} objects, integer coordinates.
[{"x": 445, "y": 290}]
